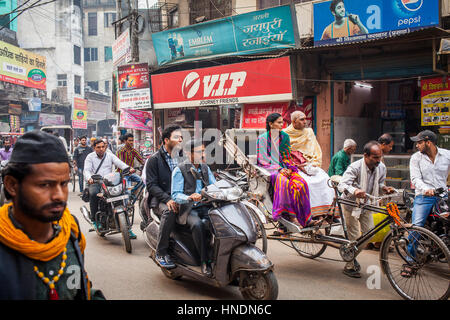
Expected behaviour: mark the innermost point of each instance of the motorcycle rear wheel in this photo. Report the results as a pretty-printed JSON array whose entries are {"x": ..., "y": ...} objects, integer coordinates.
[{"x": 125, "y": 233}]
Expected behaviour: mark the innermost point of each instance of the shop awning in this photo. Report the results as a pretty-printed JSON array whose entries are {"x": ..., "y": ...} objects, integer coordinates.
[{"x": 416, "y": 35}]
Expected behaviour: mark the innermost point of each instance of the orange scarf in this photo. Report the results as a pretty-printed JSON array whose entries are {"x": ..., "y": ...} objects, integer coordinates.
[{"x": 17, "y": 240}]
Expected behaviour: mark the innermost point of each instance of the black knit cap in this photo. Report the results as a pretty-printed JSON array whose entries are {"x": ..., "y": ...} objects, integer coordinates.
[{"x": 39, "y": 147}]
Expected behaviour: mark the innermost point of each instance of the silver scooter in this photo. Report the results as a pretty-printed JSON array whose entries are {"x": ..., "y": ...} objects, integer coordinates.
[{"x": 235, "y": 258}]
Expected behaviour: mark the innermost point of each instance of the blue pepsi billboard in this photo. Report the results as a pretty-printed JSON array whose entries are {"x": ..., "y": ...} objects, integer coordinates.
[{"x": 342, "y": 21}]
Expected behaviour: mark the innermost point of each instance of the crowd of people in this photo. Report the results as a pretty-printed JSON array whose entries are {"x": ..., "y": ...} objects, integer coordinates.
[{"x": 38, "y": 233}]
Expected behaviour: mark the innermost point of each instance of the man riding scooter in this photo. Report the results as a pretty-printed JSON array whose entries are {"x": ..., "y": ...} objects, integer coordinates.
[
  {"x": 186, "y": 192},
  {"x": 158, "y": 172}
]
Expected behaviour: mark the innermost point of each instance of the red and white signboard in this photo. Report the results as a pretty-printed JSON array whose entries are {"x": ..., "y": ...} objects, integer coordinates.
[
  {"x": 254, "y": 115},
  {"x": 248, "y": 82}
]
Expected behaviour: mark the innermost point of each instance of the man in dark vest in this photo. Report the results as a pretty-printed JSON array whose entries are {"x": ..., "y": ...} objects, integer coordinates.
[
  {"x": 186, "y": 192},
  {"x": 41, "y": 244},
  {"x": 158, "y": 173}
]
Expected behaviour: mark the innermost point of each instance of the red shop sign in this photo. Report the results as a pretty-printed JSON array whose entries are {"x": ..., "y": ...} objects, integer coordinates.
[{"x": 248, "y": 82}]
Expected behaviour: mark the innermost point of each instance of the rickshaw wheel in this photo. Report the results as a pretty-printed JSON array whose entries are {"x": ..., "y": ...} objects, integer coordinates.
[{"x": 309, "y": 250}]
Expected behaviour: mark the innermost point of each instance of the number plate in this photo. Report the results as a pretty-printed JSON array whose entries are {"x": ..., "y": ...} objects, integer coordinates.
[{"x": 117, "y": 198}]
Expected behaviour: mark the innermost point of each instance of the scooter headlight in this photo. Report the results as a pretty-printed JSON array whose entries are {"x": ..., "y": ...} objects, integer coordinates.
[
  {"x": 219, "y": 195},
  {"x": 115, "y": 191},
  {"x": 232, "y": 194}
]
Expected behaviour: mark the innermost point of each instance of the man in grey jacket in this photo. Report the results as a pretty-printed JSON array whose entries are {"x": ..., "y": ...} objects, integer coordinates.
[{"x": 362, "y": 177}]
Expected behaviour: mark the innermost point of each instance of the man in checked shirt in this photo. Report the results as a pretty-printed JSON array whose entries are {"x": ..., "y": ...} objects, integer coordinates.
[{"x": 128, "y": 154}]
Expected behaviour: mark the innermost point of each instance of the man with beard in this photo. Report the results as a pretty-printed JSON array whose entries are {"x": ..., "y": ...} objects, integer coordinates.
[
  {"x": 365, "y": 176},
  {"x": 6, "y": 151},
  {"x": 429, "y": 169},
  {"x": 41, "y": 244},
  {"x": 158, "y": 172}
]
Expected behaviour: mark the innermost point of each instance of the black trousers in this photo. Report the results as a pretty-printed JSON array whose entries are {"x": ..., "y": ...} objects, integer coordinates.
[
  {"x": 167, "y": 218},
  {"x": 198, "y": 229},
  {"x": 93, "y": 199}
]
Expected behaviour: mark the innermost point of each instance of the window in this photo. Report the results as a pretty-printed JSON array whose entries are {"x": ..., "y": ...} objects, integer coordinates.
[
  {"x": 263, "y": 4},
  {"x": 77, "y": 55},
  {"x": 90, "y": 54},
  {"x": 77, "y": 85},
  {"x": 173, "y": 19},
  {"x": 77, "y": 3},
  {"x": 92, "y": 23},
  {"x": 93, "y": 85},
  {"x": 4, "y": 21},
  {"x": 108, "y": 54},
  {"x": 107, "y": 87},
  {"x": 109, "y": 18},
  {"x": 62, "y": 80}
]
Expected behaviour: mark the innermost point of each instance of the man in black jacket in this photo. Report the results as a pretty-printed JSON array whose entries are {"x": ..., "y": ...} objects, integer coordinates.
[{"x": 159, "y": 177}]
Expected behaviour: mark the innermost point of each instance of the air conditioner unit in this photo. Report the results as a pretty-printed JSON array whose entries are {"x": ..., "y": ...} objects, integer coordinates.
[{"x": 305, "y": 19}]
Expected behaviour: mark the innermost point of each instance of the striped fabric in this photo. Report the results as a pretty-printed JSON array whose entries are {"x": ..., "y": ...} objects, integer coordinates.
[{"x": 129, "y": 155}]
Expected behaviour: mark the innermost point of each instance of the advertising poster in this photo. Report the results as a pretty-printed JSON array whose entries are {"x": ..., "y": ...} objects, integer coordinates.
[
  {"x": 435, "y": 102},
  {"x": 80, "y": 112},
  {"x": 258, "y": 81},
  {"x": 356, "y": 20},
  {"x": 134, "y": 86},
  {"x": 248, "y": 33},
  {"x": 136, "y": 119},
  {"x": 14, "y": 123},
  {"x": 254, "y": 115},
  {"x": 22, "y": 67},
  {"x": 48, "y": 119},
  {"x": 133, "y": 77},
  {"x": 121, "y": 49}
]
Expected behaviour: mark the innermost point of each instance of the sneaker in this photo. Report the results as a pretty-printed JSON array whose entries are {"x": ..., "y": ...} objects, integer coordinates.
[
  {"x": 165, "y": 262},
  {"x": 206, "y": 269},
  {"x": 132, "y": 235},
  {"x": 352, "y": 273}
]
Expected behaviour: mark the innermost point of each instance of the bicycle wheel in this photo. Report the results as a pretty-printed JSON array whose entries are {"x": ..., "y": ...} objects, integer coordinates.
[
  {"x": 429, "y": 264},
  {"x": 302, "y": 243}
]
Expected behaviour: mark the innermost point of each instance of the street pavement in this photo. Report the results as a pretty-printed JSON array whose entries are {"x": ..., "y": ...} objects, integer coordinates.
[{"x": 124, "y": 276}]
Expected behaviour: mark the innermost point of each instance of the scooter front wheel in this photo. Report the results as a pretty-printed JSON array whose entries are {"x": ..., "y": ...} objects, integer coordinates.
[{"x": 261, "y": 285}]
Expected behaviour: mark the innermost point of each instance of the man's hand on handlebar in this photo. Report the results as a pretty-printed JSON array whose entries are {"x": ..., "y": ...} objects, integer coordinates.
[
  {"x": 173, "y": 206},
  {"x": 388, "y": 190},
  {"x": 429, "y": 193},
  {"x": 132, "y": 170},
  {"x": 91, "y": 181},
  {"x": 360, "y": 193},
  {"x": 195, "y": 197}
]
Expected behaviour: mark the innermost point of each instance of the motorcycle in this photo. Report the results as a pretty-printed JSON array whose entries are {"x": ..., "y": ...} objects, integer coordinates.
[
  {"x": 2, "y": 191},
  {"x": 235, "y": 258},
  {"x": 112, "y": 216},
  {"x": 439, "y": 219}
]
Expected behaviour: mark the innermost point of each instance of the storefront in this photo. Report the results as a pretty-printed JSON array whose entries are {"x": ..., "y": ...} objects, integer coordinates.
[{"x": 218, "y": 96}]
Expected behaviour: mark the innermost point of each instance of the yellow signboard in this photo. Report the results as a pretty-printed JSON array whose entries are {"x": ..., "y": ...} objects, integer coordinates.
[
  {"x": 436, "y": 101},
  {"x": 22, "y": 67}
]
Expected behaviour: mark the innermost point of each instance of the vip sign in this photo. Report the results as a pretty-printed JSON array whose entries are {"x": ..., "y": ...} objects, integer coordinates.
[{"x": 249, "y": 82}]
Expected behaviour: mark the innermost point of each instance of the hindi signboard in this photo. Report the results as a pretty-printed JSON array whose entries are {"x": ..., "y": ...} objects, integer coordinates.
[
  {"x": 435, "y": 101},
  {"x": 248, "y": 33},
  {"x": 22, "y": 67}
]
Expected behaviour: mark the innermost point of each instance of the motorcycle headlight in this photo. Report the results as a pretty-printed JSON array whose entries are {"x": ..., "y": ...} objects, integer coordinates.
[
  {"x": 232, "y": 194},
  {"x": 115, "y": 191}
]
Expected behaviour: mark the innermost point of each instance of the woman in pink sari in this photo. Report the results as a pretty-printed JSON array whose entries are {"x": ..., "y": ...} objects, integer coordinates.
[{"x": 291, "y": 193}]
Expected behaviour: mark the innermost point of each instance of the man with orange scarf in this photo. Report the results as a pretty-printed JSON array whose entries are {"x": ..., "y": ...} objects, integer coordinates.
[{"x": 41, "y": 245}]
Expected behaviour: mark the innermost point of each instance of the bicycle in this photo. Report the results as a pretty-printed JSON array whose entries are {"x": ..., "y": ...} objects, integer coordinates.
[
  {"x": 422, "y": 251},
  {"x": 137, "y": 195}
]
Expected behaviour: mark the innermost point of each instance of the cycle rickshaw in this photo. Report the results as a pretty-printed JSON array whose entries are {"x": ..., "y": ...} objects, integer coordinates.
[{"x": 424, "y": 252}]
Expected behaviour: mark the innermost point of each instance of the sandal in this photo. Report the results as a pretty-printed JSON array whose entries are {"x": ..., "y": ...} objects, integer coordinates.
[
  {"x": 278, "y": 233},
  {"x": 407, "y": 271}
]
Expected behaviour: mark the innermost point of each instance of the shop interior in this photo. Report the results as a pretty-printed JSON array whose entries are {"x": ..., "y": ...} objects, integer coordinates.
[{"x": 363, "y": 111}]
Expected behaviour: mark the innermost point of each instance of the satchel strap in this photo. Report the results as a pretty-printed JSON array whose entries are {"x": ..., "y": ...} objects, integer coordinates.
[{"x": 101, "y": 162}]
